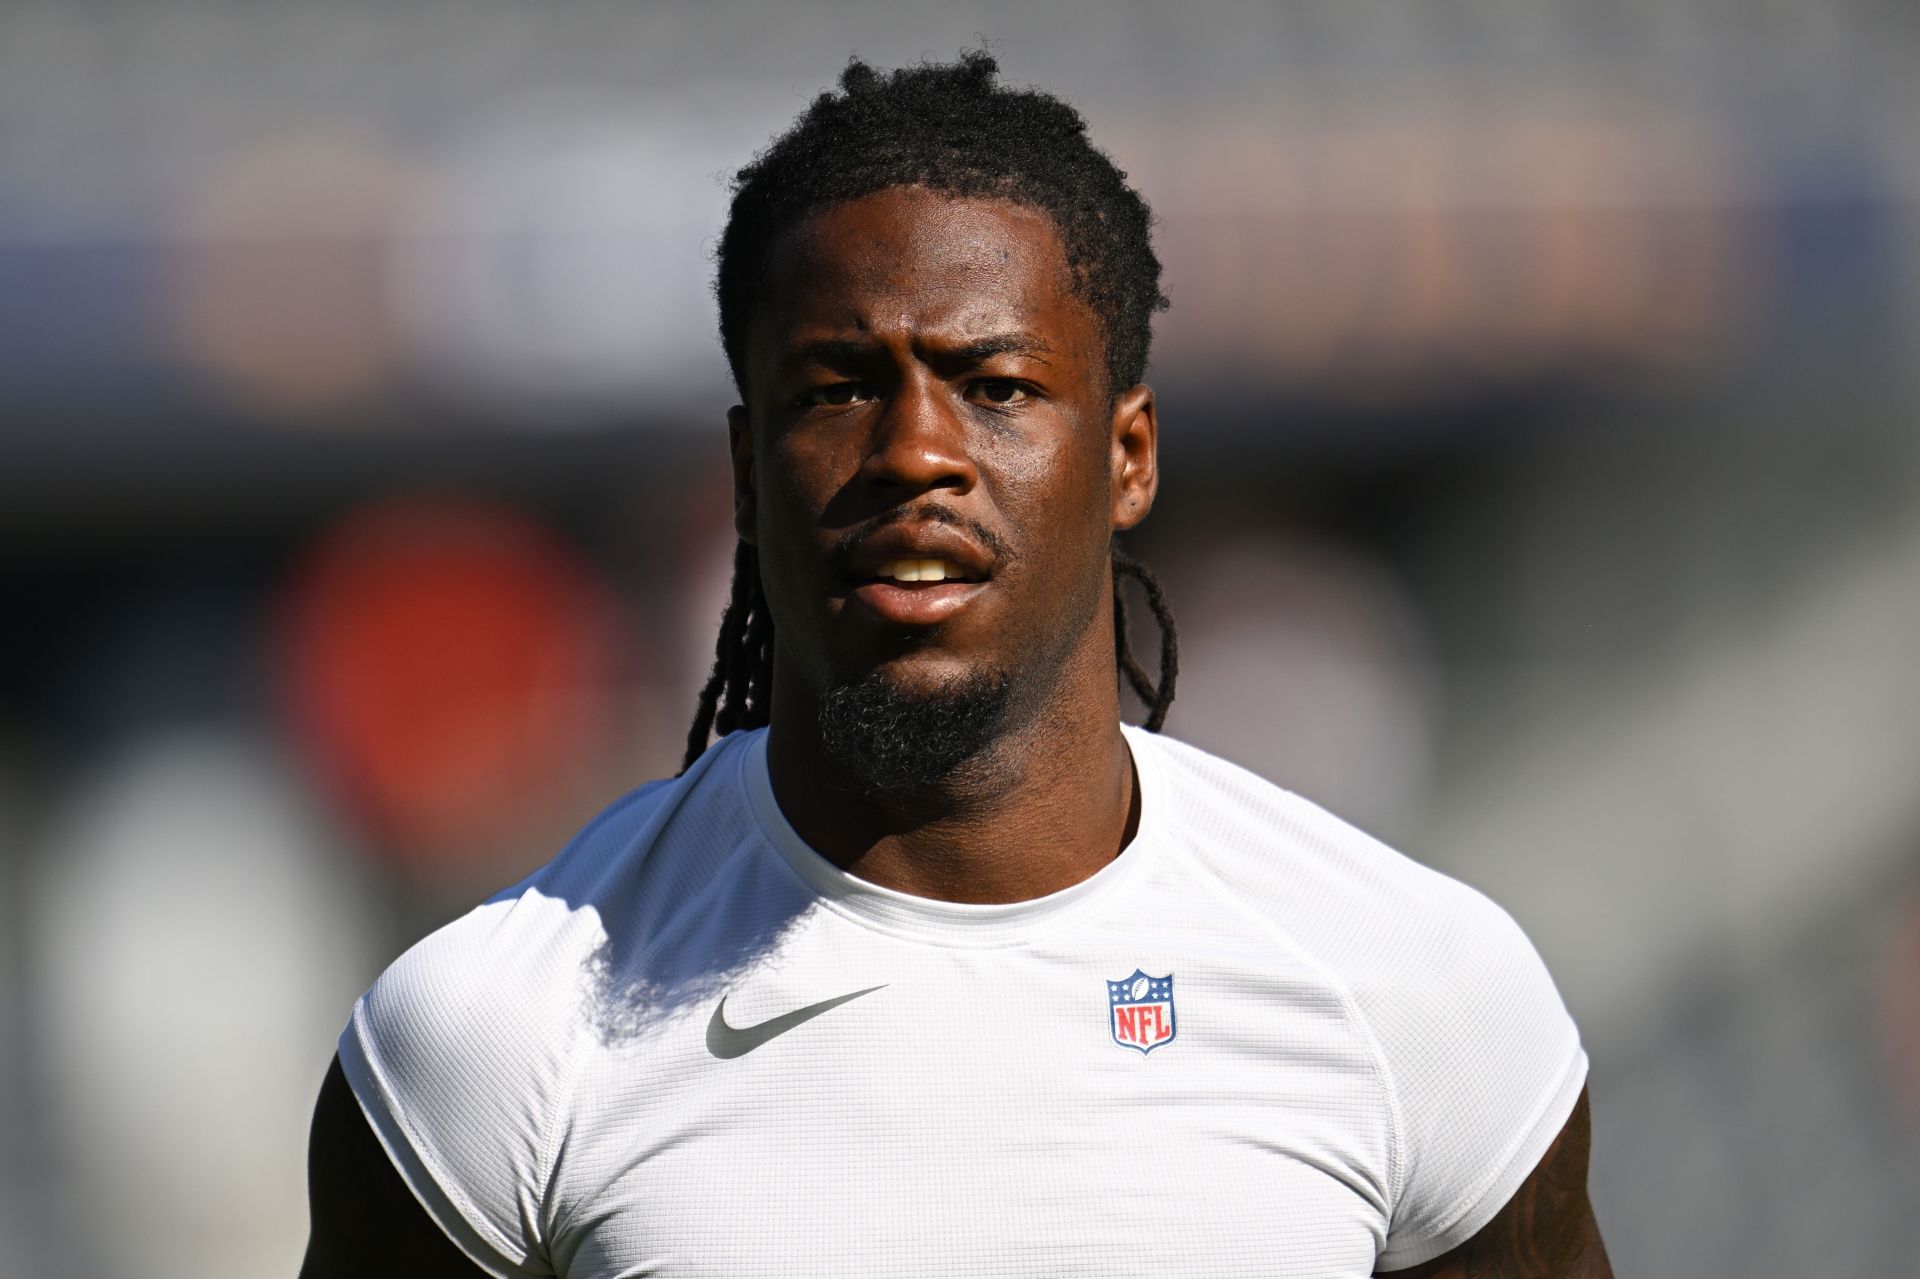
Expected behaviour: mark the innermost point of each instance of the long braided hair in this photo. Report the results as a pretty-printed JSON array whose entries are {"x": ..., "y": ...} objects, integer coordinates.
[{"x": 739, "y": 692}]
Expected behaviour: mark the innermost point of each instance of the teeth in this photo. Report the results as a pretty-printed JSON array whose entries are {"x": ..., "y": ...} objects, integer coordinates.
[{"x": 919, "y": 570}]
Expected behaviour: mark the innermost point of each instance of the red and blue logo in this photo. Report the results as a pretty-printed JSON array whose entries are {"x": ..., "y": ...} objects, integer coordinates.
[{"x": 1140, "y": 1011}]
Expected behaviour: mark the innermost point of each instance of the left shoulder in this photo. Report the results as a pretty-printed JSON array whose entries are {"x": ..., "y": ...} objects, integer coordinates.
[
  {"x": 1352, "y": 900},
  {"x": 1479, "y": 1058}
]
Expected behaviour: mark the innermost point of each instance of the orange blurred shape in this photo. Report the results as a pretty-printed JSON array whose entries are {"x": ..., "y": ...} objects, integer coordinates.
[{"x": 448, "y": 666}]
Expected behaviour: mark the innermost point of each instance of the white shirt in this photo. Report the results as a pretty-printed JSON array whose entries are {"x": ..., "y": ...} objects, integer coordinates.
[{"x": 1258, "y": 1042}]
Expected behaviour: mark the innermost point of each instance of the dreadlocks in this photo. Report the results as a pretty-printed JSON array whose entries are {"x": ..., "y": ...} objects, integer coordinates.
[{"x": 953, "y": 129}]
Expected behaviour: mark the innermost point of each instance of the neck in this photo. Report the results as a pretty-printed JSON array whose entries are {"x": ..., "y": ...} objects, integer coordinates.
[{"x": 1047, "y": 804}]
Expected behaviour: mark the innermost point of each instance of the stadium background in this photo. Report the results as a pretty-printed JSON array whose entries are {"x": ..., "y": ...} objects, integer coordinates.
[{"x": 1542, "y": 494}]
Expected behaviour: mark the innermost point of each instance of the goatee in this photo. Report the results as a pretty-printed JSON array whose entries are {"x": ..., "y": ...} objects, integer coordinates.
[{"x": 881, "y": 740}]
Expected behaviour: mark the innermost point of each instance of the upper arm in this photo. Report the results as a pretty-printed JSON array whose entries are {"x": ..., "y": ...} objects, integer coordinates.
[
  {"x": 365, "y": 1223},
  {"x": 1481, "y": 1065},
  {"x": 1546, "y": 1231},
  {"x": 457, "y": 1059}
]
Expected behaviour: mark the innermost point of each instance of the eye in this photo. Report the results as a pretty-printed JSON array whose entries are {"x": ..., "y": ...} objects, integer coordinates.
[
  {"x": 1000, "y": 390},
  {"x": 833, "y": 395}
]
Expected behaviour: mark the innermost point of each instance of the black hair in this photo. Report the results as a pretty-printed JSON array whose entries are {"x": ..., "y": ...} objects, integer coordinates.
[{"x": 952, "y": 128}]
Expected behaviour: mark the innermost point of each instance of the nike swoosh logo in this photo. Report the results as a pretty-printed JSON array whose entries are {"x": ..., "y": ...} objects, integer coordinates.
[{"x": 726, "y": 1042}]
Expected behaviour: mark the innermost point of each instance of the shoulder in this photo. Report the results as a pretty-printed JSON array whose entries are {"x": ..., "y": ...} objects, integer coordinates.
[
  {"x": 490, "y": 977},
  {"x": 1397, "y": 933},
  {"x": 515, "y": 969},
  {"x": 462, "y": 1053},
  {"x": 1478, "y": 1057},
  {"x": 1336, "y": 890}
]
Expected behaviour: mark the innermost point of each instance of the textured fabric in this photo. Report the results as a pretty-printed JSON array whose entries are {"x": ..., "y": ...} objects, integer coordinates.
[{"x": 1257, "y": 1043}]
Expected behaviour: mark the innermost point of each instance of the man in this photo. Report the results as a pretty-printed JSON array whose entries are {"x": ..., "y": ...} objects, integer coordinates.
[{"x": 942, "y": 970}]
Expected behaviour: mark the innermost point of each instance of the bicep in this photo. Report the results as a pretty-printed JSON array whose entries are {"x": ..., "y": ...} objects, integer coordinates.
[
  {"x": 1546, "y": 1231},
  {"x": 365, "y": 1223}
]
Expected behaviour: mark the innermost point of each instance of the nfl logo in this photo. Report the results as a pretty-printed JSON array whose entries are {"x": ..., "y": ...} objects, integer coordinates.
[{"x": 1140, "y": 1011}]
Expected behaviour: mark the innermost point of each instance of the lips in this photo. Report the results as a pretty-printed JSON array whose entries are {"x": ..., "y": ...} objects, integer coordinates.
[
  {"x": 916, "y": 575},
  {"x": 921, "y": 604}
]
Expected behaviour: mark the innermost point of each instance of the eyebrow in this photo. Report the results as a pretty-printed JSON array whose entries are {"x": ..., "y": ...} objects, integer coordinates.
[
  {"x": 999, "y": 344},
  {"x": 844, "y": 352}
]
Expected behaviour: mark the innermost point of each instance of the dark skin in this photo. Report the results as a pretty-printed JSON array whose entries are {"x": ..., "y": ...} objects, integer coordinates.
[
  {"x": 364, "y": 1220},
  {"x": 922, "y": 377},
  {"x": 1546, "y": 1231},
  {"x": 920, "y": 354}
]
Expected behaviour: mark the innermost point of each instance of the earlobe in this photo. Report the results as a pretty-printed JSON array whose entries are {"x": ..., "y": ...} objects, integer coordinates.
[
  {"x": 1135, "y": 454},
  {"x": 740, "y": 445}
]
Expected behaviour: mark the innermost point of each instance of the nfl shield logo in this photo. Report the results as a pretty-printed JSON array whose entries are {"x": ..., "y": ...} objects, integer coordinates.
[{"x": 1140, "y": 1011}]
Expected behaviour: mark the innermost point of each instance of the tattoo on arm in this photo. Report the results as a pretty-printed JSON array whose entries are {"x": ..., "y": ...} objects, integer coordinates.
[{"x": 1546, "y": 1231}]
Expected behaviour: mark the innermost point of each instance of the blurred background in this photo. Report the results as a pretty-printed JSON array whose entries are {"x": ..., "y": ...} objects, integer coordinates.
[{"x": 1543, "y": 494}]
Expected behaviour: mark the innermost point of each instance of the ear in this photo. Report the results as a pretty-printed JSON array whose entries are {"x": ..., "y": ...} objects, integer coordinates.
[
  {"x": 1135, "y": 456},
  {"x": 740, "y": 444}
]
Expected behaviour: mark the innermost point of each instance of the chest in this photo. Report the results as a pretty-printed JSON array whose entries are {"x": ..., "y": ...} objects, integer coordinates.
[{"x": 1106, "y": 1111}]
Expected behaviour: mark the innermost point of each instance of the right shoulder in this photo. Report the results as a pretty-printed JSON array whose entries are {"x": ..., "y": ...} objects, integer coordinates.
[
  {"x": 506, "y": 973},
  {"x": 460, "y": 1056},
  {"x": 463, "y": 1052}
]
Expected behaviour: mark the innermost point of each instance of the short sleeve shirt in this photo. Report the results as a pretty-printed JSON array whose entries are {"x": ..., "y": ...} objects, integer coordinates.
[{"x": 1258, "y": 1042}]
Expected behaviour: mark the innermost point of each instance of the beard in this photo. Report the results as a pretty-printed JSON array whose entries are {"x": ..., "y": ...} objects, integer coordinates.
[{"x": 883, "y": 740}]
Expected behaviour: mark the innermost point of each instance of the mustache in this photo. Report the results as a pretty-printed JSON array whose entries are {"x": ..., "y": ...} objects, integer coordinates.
[{"x": 922, "y": 513}]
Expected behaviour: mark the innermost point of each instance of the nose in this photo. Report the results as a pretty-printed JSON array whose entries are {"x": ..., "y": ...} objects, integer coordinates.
[{"x": 919, "y": 443}]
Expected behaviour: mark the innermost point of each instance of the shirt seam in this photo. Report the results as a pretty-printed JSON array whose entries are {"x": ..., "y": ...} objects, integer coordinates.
[
  {"x": 1350, "y": 1008},
  {"x": 483, "y": 1228},
  {"x": 577, "y": 1062},
  {"x": 547, "y": 1164},
  {"x": 1575, "y": 1068}
]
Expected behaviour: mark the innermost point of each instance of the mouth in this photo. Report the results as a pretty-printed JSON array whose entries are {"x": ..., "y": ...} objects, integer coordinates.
[
  {"x": 917, "y": 592},
  {"x": 914, "y": 572},
  {"x": 919, "y": 572}
]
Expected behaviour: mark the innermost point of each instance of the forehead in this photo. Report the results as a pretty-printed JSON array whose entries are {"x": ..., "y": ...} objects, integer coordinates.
[{"x": 912, "y": 262}]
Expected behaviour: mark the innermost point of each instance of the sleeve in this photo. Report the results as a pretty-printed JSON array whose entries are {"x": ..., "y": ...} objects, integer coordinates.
[
  {"x": 1484, "y": 1066},
  {"x": 458, "y": 1060}
]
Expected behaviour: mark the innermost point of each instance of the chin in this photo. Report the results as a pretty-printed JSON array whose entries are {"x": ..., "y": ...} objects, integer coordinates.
[
  {"x": 893, "y": 730},
  {"x": 930, "y": 675}
]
